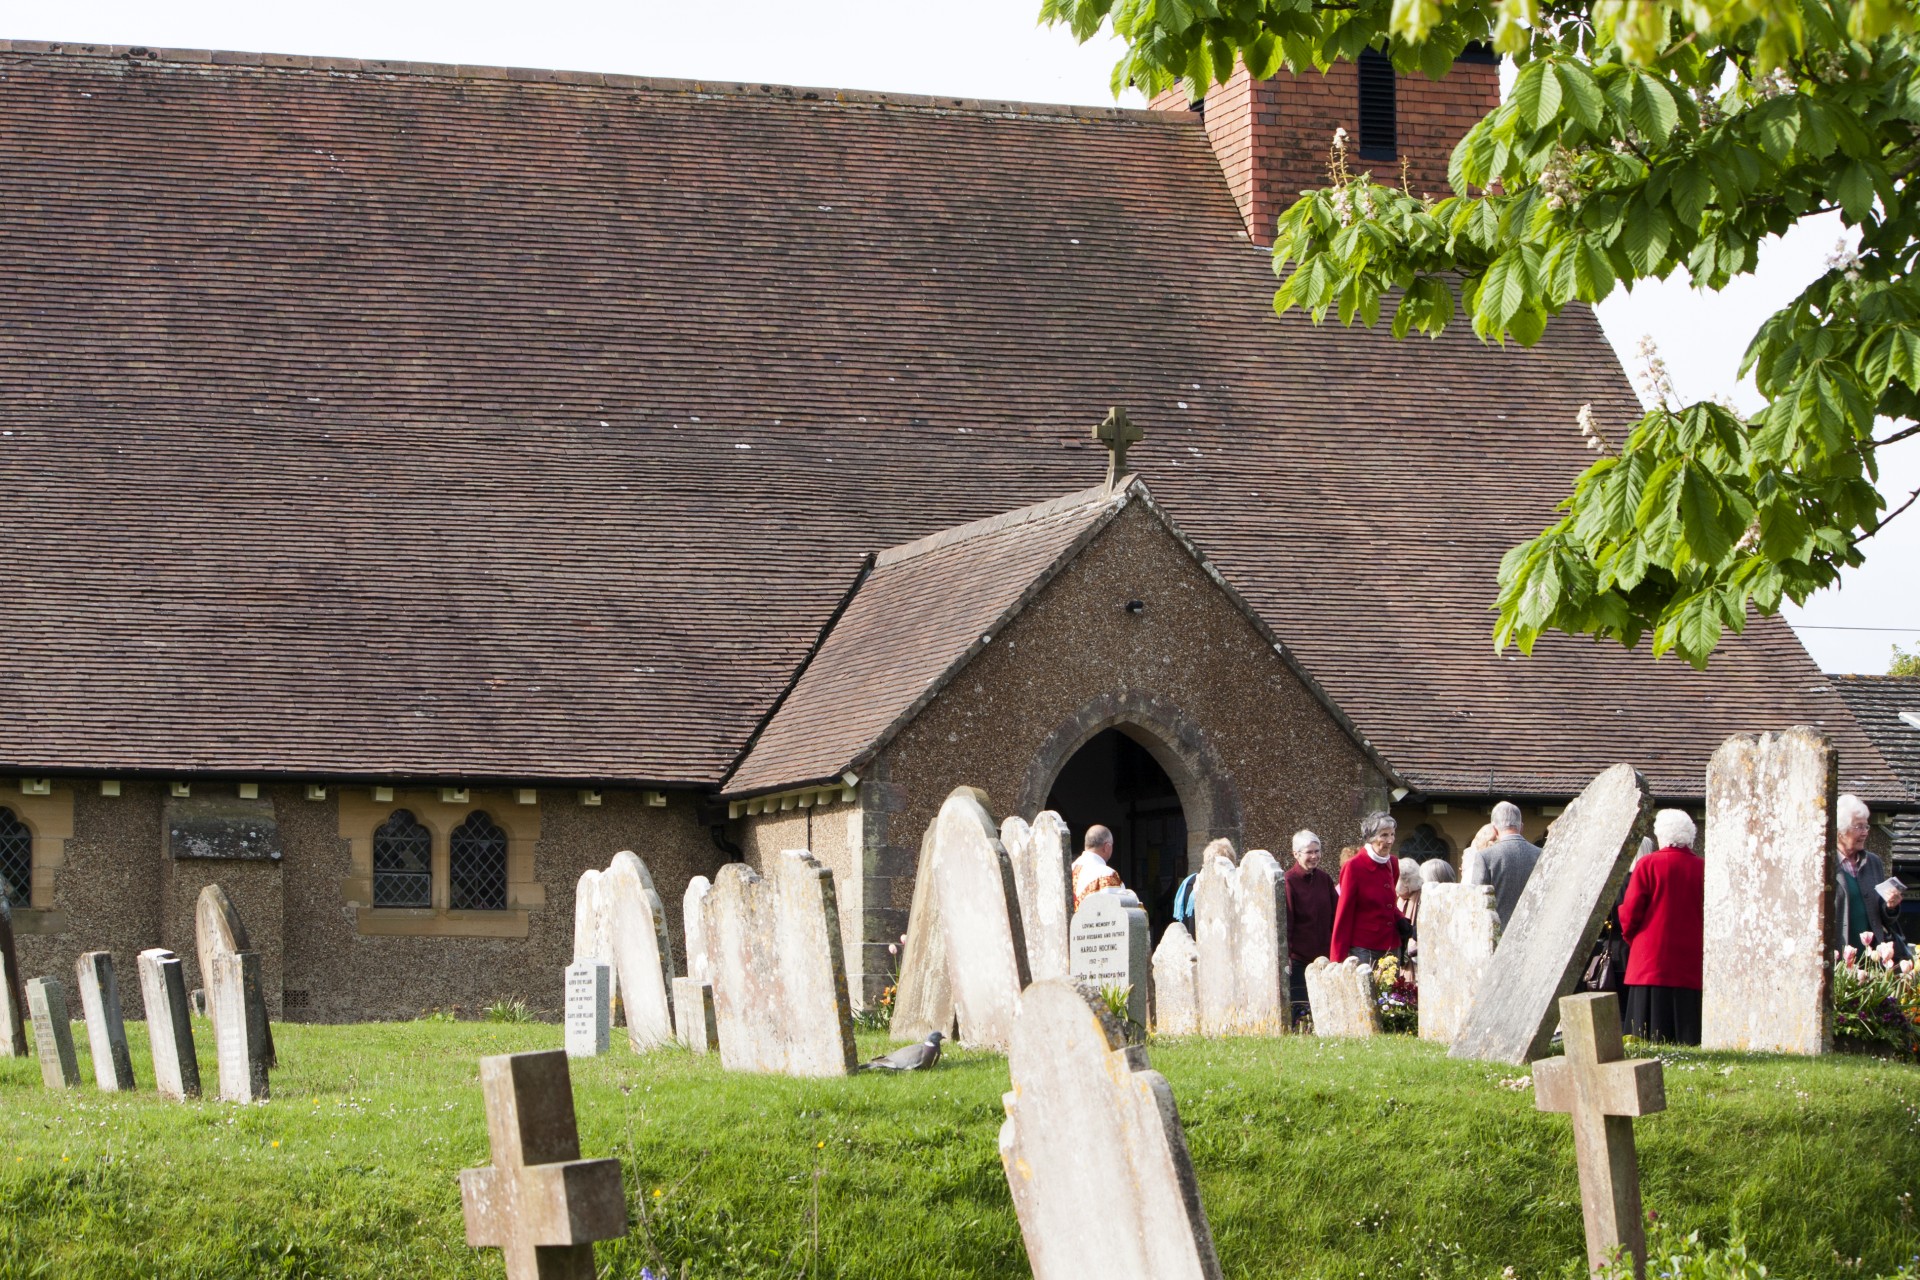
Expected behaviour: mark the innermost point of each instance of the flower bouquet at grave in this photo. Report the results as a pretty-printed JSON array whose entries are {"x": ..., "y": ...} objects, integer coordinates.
[
  {"x": 1398, "y": 996},
  {"x": 1876, "y": 1002}
]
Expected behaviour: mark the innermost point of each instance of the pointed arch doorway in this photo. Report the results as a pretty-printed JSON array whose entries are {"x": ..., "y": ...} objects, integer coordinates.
[{"x": 1114, "y": 780}]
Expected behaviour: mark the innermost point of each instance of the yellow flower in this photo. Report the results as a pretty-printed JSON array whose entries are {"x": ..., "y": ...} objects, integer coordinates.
[
  {"x": 818, "y": 1145},
  {"x": 656, "y": 1193},
  {"x": 276, "y": 1142}
]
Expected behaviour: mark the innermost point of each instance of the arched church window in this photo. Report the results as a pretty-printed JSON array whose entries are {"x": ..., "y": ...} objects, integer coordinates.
[
  {"x": 16, "y": 860},
  {"x": 477, "y": 865},
  {"x": 1424, "y": 843},
  {"x": 402, "y": 862}
]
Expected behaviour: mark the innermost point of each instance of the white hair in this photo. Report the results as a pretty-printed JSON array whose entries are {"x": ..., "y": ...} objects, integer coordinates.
[
  {"x": 1438, "y": 871},
  {"x": 1376, "y": 822},
  {"x": 1303, "y": 838},
  {"x": 1849, "y": 807},
  {"x": 1410, "y": 882},
  {"x": 1506, "y": 816},
  {"x": 1673, "y": 829}
]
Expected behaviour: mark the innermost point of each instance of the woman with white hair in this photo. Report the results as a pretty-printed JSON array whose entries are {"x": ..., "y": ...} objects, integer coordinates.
[
  {"x": 1663, "y": 918},
  {"x": 1865, "y": 899}
]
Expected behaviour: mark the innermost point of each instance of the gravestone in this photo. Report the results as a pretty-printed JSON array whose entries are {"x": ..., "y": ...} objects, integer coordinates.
[
  {"x": 1175, "y": 1008},
  {"x": 589, "y": 1029},
  {"x": 1458, "y": 932},
  {"x": 53, "y": 1033},
  {"x": 13, "y": 996},
  {"x": 980, "y": 913},
  {"x": 642, "y": 956},
  {"x": 693, "y": 923},
  {"x": 779, "y": 977},
  {"x": 922, "y": 996},
  {"x": 1108, "y": 942},
  {"x": 1764, "y": 981},
  {"x": 1093, "y": 1150},
  {"x": 106, "y": 1028},
  {"x": 163, "y": 989},
  {"x": 1603, "y": 1093},
  {"x": 1043, "y": 878},
  {"x": 694, "y": 1024},
  {"x": 239, "y": 1027},
  {"x": 1341, "y": 998},
  {"x": 539, "y": 1203},
  {"x": 1240, "y": 931},
  {"x": 593, "y": 932},
  {"x": 218, "y": 931},
  {"x": 1547, "y": 942}
]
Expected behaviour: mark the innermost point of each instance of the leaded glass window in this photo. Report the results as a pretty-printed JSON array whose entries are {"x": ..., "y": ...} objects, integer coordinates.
[
  {"x": 1425, "y": 843},
  {"x": 477, "y": 865},
  {"x": 16, "y": 860},
  {"x": 402, "y": 862}
]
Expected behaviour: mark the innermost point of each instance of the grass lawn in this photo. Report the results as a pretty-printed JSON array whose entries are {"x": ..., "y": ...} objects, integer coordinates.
[{"x": 1316, "y": 1159}]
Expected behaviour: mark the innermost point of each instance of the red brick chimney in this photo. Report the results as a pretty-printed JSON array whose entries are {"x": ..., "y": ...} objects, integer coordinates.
[{"x": 1272, "y": 136}]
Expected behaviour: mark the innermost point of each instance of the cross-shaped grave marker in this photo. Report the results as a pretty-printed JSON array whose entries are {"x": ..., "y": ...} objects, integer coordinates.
[
  {"x": 1117, "y": 432},
  {"x": 1603, "y": 1091},
  {"x": 539, "y": 1203}
]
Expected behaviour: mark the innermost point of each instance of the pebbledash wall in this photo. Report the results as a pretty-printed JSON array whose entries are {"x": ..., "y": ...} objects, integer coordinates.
[{"x": 1253, "y": 753}]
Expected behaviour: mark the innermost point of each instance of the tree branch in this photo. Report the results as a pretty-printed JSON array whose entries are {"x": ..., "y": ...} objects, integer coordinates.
[
  {"x": 1898, "y": 435},
  {"x": 1891, "y": 514}
]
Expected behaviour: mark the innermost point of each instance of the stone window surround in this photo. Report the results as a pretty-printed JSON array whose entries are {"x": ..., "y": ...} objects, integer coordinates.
[
  {"x": 360, "y": 814},
  {"x": 50, "y": 819}
]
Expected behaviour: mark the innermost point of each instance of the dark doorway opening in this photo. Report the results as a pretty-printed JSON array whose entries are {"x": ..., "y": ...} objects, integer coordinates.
[{"x": 1115, "y": 781}]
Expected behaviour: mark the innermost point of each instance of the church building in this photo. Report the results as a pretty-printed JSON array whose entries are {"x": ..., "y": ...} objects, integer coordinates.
[{"x": 419, "y": 482}]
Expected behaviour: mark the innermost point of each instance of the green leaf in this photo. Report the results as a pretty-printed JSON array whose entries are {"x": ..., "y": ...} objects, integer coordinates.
[
  {"x": 1504, "y": 289},
  {"x": 1688, "y": 191},
  {"x": 1536, "y": 95},
  {"x": 1704, "y": 517},
  {"x": 1853, "y": 187},
  {"x": 1581, "y": 94},
  {"x": 1644, "y": 237}
]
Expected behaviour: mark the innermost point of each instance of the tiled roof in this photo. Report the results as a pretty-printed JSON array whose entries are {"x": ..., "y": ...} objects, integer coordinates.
[
  {"x": 1879, "y": 703},
  {"x": 368, "y": 420}
]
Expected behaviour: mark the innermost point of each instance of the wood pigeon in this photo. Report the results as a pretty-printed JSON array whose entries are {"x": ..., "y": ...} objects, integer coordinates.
[{"x": 915, "y": 1057}]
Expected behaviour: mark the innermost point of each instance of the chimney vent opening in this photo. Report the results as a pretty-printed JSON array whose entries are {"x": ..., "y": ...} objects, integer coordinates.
[{"x": 1377, "y": 133}]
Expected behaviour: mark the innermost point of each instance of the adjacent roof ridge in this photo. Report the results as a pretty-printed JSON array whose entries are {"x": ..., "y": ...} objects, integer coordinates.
[
  {"x": 1007, "y": 520},
  {"x": 591, "y": 79},
  {"x": 1876, "y": 676}
]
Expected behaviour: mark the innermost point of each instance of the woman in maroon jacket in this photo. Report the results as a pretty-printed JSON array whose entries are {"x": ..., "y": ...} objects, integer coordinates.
[
  {"x": 1368, "y": 923},
  {"x": 1662, "y": 918}
]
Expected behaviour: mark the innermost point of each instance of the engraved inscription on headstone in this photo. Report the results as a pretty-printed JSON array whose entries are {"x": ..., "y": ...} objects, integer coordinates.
[
  {"x": 1108, "y": 948},
  {"x": 593, "y": 932},
  {"x": 106, "y": 1029},
  {"x": 588, "y": 1030},
  {"x": 163, "y": 989},
  {"x": 53, "y": 1033}
]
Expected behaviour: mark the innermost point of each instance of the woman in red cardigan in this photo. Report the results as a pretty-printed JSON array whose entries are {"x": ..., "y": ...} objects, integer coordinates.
[
  {"x": 1367, "y": 922},
  {"x": 1663, "y": 917}
]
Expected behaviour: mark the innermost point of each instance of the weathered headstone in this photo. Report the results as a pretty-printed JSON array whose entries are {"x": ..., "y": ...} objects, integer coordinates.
[
  {"x": 239, "y": 1027},
  {"x": 1341, "y": 998},
  {"x": 1093, "y": 1150},
  {"x": 163, "y": 989},
  {"x": 641, "y": 953},
  {"x": 1547, "y": 942},
  {"x": 539, "y": 1203},
  {"x": 694, "y": 1024},
  {"x": 1458, "y": 932},
  {"x": 693, "y": 921},
  {"x": 593, "y": 932},
  {"x": 106, "y": 1028},
  {"x": 13, "y": 995},
  {"x": 1769, "y": 875},
  {"x": 1043, "y": 878},
  {"x": 779, "y": 976},
  {"x": 53, "y": 1033},
  {"x": 1108, "y": 949},
  {"x": 922, "y": 996},
  {"x": 589, "y": 1030},
  {"x": 1240, "y": 930},
  {"x": 980, "y": 912},
  {"x": 1176, "y": 1010},
  {"x": 218, "y": 931},
  {"x": 1602, "y": 1092}
]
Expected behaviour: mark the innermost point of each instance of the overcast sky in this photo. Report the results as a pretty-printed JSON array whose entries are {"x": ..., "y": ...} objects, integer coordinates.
[{"x": 982, "y": 49}]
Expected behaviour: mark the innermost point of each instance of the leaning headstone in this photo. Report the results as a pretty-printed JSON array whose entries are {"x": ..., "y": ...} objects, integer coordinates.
[
  {"x": 693, "y": 923},
  {"x": 1769, "y": 875},
  {"x": 1043, "y": 878},
  {"x": 589, "y": 1030},
  {"x": 1108, "y": 942},
  {"x": 106, "y": 1028},
  {"x": 980, "y": 912},
  {"x": 239, "y": 1033},
  {"x": 53, "y": 1033},
  {"x": 694, "y": 1024},
  {"x": 1603, "y": 1092},
  {"x": 1093, "y": 1150},
  {"x": 1240, "y": 930},
  {"x": 593, "y": 932},
  {"x": 218, "y": 931},
  {"x": 1175, "y": 1010},
  {"x": 641, "y": 953},
  {"x": 539, "y": 1203},
  {"x": 922, "y": 996},
  {"x": 1551, "y": 934},
  {"x": 779, "y": 976},
  {"x": 1341, "y": 998},
  {"x": 1458, "y": 932},
  {"x": 13, "y": 996},
  {"x": 163, "y": 989}
]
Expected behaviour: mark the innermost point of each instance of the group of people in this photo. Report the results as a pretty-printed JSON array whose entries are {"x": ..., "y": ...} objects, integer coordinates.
[{"x": 1654, "y": 945}]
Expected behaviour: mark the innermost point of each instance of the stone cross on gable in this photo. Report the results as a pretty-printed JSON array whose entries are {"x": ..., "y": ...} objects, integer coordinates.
[
  {"x": 539, "y": 1203},
  {"x": 1117, "y": 432},
  {"x": 1603, "y": 1092}
]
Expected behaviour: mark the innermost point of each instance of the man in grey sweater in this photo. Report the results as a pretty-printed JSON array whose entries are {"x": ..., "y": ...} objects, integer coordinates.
[{"x": 1505, "y": 864}]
